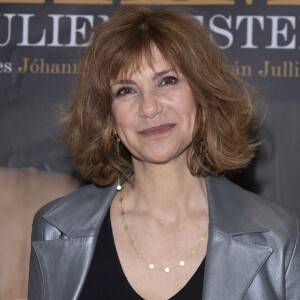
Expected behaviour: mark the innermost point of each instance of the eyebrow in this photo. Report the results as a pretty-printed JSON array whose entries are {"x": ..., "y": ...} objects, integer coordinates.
[
  {"x": 157, "y": 75},
  {"x": 123, "y": 81},
  {"x": 128, "y": 81}
]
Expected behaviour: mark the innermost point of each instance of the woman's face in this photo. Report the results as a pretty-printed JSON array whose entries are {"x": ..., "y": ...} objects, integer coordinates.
[{"x": 154, "y": 111}]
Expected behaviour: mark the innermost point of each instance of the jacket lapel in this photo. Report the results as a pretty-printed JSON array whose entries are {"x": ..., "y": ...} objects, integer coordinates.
[
  {"x": 64, "y": 265},
  {"x": 231, "y": 263},
  {"x": 65, "y": 262}
]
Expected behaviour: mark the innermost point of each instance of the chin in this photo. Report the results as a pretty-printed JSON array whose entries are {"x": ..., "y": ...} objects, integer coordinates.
[{"x": 160, "y": 157}]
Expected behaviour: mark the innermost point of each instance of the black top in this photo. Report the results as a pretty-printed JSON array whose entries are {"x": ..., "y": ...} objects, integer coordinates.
[{"x": 106, "y": 279}]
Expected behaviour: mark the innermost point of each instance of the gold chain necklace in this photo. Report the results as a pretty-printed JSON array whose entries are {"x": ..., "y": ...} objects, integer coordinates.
[{"x": 139, "y": 254}]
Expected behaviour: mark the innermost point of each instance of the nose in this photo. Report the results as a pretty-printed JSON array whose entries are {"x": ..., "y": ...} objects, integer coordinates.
[{"x": 150, "y": 105}]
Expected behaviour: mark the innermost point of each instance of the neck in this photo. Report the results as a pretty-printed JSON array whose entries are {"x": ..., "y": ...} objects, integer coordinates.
[{"x": 167, "y": 188}]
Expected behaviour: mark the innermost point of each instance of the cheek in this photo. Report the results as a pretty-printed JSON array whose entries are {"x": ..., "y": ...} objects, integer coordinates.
[
  {"x": 118, "y": 114},
  {"x": 187, "y": 109},
  {"x": 122, "y": 117}
]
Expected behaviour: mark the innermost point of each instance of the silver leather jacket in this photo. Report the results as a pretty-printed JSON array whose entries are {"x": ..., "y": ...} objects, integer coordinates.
[{"x": 253, "y": 248}]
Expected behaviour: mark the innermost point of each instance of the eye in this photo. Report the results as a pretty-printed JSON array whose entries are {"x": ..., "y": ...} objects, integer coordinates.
[
  {"x": 124, "y": 91},
  {"x": 170, "y": 80}
]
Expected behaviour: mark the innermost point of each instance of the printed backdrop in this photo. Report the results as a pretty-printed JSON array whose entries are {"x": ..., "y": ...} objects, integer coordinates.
[{"x": 40, "y": 46}]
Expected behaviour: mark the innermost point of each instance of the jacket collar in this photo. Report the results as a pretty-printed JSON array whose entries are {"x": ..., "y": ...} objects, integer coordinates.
[{"x": 231, "y": 209}]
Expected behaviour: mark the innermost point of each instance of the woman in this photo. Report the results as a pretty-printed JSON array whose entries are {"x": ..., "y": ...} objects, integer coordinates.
[{"x": 157, "y": 109}]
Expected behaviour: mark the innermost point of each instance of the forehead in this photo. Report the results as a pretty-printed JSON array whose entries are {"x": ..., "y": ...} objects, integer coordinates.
[{"x": 146, "y": 61}]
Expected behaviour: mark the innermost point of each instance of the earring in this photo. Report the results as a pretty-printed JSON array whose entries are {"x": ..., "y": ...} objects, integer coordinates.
[{"x": 119, "y": 187}]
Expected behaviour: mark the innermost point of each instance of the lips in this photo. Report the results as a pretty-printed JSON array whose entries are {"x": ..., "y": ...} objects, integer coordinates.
[{"x": 157, "y": 130}]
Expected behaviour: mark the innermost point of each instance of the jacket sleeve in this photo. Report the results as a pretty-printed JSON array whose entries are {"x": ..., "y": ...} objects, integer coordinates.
[{"x": 293, "y": 269}]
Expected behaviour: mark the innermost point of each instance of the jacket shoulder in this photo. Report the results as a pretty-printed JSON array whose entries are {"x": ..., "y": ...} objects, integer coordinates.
[
  {"x": 73, "y": 212},
  {"x": 59, "y": 201},
  {"x": 239, "y": 211},
  {"x": 275, "y": 215}
]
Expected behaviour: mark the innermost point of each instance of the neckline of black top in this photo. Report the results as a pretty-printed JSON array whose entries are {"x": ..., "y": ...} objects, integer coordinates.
[{"x": 107, "y": 280}]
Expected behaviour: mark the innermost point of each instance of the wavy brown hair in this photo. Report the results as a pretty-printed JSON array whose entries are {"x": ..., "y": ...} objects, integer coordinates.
[{"x": 225, "y": 113}]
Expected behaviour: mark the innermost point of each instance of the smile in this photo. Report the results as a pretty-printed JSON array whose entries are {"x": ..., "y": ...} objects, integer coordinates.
[{"x": 158, "y": 130}]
